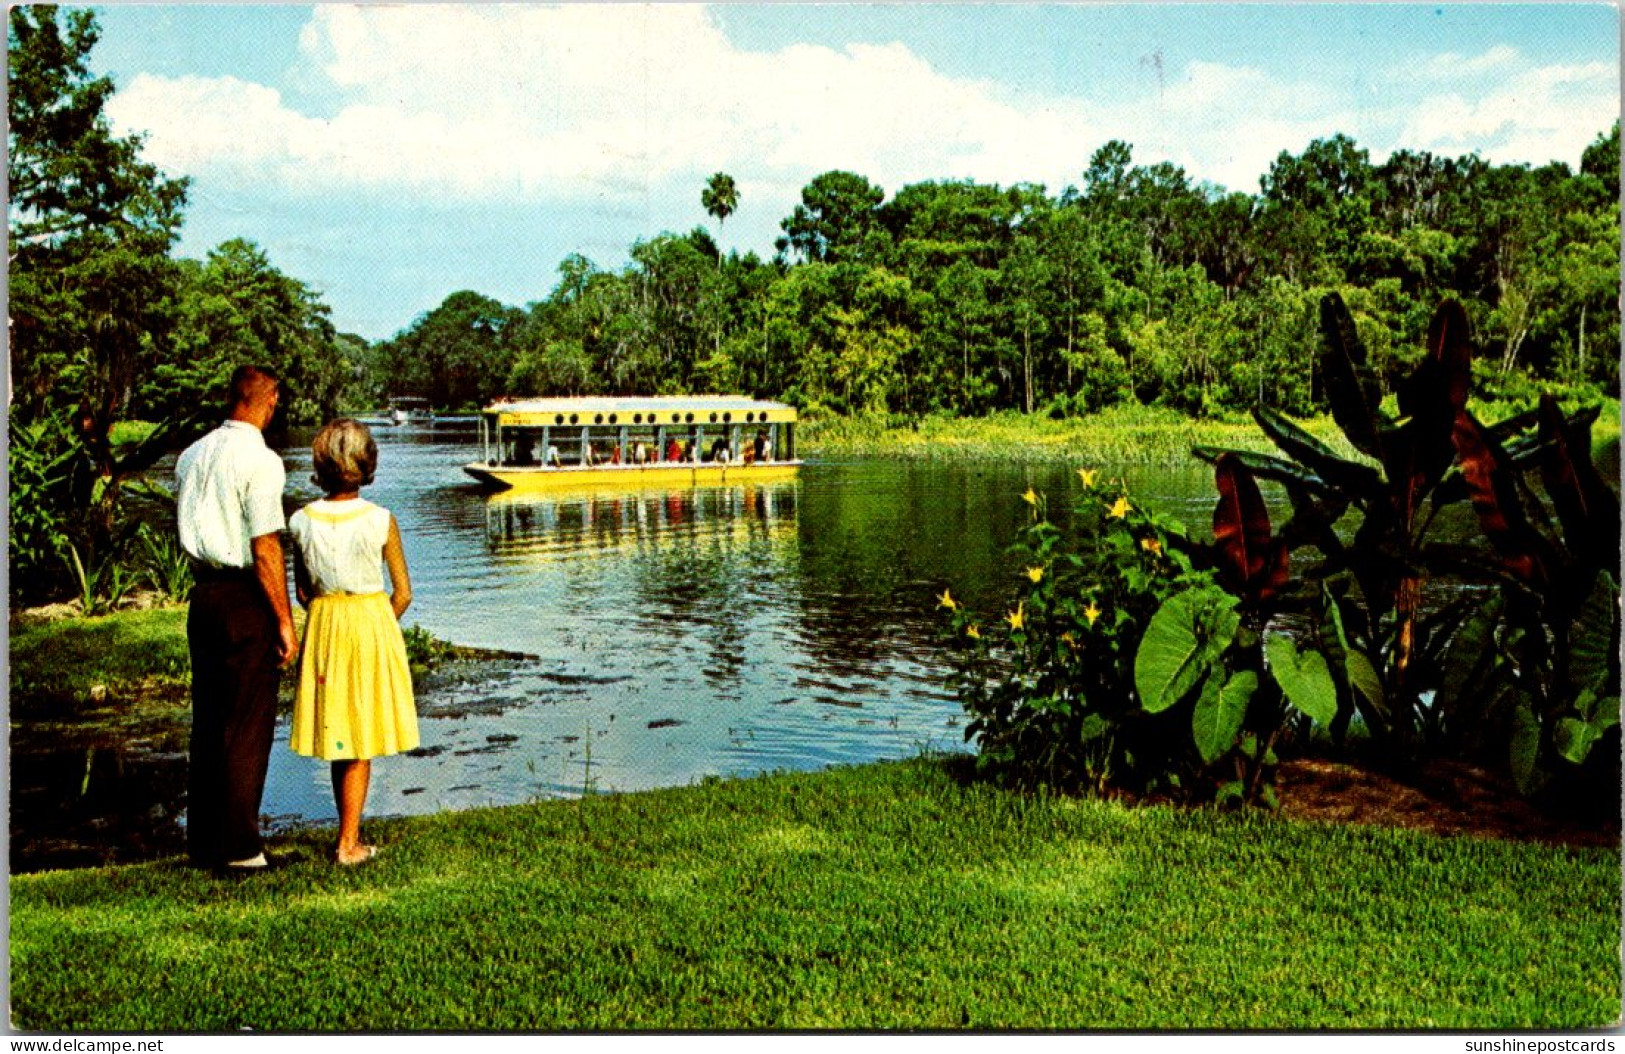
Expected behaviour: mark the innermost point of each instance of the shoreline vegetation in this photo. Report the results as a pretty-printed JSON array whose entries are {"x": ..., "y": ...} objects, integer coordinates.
[{"x": 895, "y": 895}]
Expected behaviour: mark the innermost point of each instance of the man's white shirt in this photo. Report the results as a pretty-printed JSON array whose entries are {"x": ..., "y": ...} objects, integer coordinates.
[{"x": 229, "y": 491}]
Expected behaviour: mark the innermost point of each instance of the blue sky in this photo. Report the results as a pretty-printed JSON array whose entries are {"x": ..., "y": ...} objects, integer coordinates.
[{"x": 391, "y": 155}]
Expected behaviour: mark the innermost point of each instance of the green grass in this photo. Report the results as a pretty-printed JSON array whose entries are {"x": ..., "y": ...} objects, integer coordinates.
[
  {"x": 133, "y": 655},
  {"x": 1119, "y": 435},
  {"x": 1127, "y": 435},
  {"x": 888, "y": 896}
]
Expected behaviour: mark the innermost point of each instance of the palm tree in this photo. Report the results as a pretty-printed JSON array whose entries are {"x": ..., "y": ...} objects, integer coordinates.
[{"x": 720, "y": 198}]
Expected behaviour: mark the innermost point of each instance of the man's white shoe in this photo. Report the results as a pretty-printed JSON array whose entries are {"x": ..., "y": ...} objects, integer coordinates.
[{"x": 252, "y": 863}]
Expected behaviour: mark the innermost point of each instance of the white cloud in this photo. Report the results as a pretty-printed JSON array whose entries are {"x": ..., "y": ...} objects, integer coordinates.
[
  {"x": 1533, "y": 115},
  {"x": 1452, "y": 66},
  {"x": 603, "y": 101}
]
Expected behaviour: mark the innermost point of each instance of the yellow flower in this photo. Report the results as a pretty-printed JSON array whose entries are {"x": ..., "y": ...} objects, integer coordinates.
[
  {"x": 1031, "y": 497},
  {"x": 1036, "y": 574},
  {"x": 1087, "y": 475},
  {"x": 1151, "y": 545},
  {"x": 1091, "y": 612},
  {"x": 972, "y": 631},
  {"x": 947, "y": 601},
  {"x": 1017, "y": 618},
  {"x": 1069, "y": 640},
  {"x": 1121, "y": 509}
]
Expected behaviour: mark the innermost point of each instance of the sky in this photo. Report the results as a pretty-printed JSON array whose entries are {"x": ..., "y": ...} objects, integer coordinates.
[{"x": 388, "y": 156}]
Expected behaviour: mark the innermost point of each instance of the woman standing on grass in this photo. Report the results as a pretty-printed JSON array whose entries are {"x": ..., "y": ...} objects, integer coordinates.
[{"x": 355, "y": 689}]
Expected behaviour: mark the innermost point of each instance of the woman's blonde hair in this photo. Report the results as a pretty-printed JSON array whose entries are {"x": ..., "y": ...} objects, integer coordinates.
[{"x": 344, "y": 455}]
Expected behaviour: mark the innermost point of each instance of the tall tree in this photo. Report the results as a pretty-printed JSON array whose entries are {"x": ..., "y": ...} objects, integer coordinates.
[
  {"x": 838, "y": 211},
  {"x": 720, "y": 198},
  {"x": 91, "y": 226},
  {"x": 235, "y": 309},
  {"x": 89, "y": 232}
]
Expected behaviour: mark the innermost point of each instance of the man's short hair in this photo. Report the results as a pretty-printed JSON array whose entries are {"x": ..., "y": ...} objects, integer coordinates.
[{"x": 247, "y": 382}]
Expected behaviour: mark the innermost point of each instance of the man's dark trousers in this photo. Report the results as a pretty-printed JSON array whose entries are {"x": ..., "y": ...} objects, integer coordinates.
[{"x": 232, "y": 633}]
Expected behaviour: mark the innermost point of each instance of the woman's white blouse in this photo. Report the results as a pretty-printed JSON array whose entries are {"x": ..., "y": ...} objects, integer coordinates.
[{"x": 342, "y": 544}]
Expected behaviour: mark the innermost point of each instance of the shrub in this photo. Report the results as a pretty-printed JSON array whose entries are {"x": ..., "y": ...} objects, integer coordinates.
[{"x": 1050, "y": 687}]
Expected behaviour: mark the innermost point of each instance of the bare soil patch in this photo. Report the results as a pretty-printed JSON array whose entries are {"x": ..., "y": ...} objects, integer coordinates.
[{"x": 1447, "y": 798}]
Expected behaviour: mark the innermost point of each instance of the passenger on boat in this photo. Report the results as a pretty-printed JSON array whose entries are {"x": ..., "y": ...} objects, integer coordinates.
[
  {"x": 640, "y": 453},
  {"x": 688, "y": 452},
  {"x": 674, "y": 451},
  {"x": 615, "y": 454},
  {"x": 719, "y": 450},
  {"x": 759, "y": 448},
  {"x": 524, "y": 450},
  {"x": 552, "y": 459}
]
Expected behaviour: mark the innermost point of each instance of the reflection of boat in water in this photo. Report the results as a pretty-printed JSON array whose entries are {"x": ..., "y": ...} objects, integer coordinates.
[
  {"x": 660, "y": 442},
  {"x": 585, "y": 523}
]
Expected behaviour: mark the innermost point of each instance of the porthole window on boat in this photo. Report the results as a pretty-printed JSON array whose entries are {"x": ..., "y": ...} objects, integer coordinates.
[
  {"x": 675, "y": 418},
  {"x": 749, "y": 417},
  {"x": 728, "y": 418},
  {"x": 690, "y": 418},
  {"x": 612, "y": 418},
  {"x": 637, "y": 419},
  {"x": 558, "y": 419},
  {"x": 713, "y": 418},
  {"x": 572, "y": 418}
]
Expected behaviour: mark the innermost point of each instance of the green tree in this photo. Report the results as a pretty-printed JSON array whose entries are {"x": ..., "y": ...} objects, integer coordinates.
[
  {"x": 89, "y": 232},
  {"x": 720, "y": 198},
  {"x": 458, "y": 355},
  {"x": 235, "y": 309},
  {"x": 839, "y": 211}
]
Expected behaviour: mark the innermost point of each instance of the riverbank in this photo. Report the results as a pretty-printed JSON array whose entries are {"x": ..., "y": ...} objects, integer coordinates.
[
  {"x": 1121, "y": 435},
  {"x": 100, "y": 715},
  {"x": 888, "y": 896}
]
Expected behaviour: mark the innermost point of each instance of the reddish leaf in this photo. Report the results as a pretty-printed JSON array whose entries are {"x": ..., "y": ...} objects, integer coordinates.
[
  {"x": 1420, "y": 455},
  {"x": 1253, "y": 565},
  {"x": 1490, "y": 483}
]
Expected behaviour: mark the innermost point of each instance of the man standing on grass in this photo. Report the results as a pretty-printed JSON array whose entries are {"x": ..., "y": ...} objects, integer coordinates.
[{"x": 240, "y": 626}]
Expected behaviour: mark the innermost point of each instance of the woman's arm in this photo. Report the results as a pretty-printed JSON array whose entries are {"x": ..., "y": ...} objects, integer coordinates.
[
  {"x": 400, "y": 594},
  {"x": 303, "y": 588}
]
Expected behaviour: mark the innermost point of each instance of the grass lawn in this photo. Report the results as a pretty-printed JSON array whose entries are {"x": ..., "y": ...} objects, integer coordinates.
[
  {"x": 62, "y": 666},
  {"x": 890, "y": 896}
]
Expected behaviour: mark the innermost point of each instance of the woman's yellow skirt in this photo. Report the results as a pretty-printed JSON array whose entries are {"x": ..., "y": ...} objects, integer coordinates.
[{"x": 355, "y": 689}]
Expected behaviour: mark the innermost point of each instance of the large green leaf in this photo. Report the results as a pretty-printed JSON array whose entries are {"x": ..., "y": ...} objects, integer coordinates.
[
  {"x": 1525, "y": 749},
  {"x": 1220, "y": 711},
  {"x": 1186, "y": 637},
  {"x": 1366, "y": 684},
  {"x": 1268, "y": 466},
  {"x": 1594, "y": 638},
  {"x": 1468, "y": 660},
  {"x": 1349, "y": 476},
  {"x": 1304, "y": 678},
  {"x": 1351, "y": 386},
  {"x": 1574, "y": 737}
]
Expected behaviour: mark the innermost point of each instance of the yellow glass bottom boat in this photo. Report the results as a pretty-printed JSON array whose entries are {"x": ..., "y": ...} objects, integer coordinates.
[{"x": 653, "y": 442}]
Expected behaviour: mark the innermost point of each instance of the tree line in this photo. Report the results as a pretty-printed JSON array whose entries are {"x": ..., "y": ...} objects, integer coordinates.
[
  {"x": 1138, "y": 284},
  {"x": 956, "y": 297}
]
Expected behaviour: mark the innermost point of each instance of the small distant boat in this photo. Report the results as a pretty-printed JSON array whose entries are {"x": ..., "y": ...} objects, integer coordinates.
[
  {"x": 657, "y": 441},
  {"x": 407, "y": 410}
]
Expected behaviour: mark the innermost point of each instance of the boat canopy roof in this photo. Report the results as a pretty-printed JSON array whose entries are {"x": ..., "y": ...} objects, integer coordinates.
[{"x": 645, "y": 411}]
